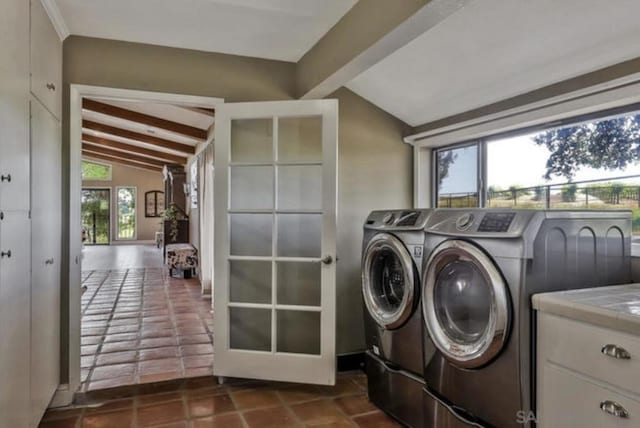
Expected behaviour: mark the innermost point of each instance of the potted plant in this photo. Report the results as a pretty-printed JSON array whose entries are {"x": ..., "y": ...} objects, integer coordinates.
[{"x": 173, "y": 215}]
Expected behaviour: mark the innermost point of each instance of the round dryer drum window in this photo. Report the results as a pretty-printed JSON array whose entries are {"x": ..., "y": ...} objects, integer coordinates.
[
  {"x": 466, "y": 306},
  {"x": 388, "y": 281}
]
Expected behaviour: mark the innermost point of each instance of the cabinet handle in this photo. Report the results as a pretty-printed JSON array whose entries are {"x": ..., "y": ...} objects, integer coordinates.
[
  {"x": 5, "y": 178},
  {"x": 1, "y": 215},
  {"x": 614, "y": 409},
  {"x": 615, "y": 351},
  {"x": 49, "y": 261},
  {"x": 51, "y": 86},
  {"x": 6, "y": 254}
]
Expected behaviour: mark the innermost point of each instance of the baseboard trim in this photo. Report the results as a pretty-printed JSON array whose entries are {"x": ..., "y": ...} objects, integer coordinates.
[
  {"x": 62, "y": 397},
  {"x": 353, "y": 361}
]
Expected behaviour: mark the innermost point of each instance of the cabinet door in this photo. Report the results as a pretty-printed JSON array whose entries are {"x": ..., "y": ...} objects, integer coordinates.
[
  {"x": 45, "y": 257},
  {"x": 14, "y": 318},
  {"x": 46, "y": 60},
  {"x": 14, "y": 105}
]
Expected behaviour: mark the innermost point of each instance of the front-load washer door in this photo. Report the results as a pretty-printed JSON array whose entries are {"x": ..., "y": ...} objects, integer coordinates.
[
  {"x": 388, "y": 281},
  {"x": 465, "y": 304}
]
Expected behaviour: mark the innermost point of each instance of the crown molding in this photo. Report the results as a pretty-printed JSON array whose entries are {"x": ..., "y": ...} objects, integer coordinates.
[{"x": 56, "y": 18}]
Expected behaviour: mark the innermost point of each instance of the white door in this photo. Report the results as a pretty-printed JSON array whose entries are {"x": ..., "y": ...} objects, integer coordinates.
[{"x": 275, "y": 240}]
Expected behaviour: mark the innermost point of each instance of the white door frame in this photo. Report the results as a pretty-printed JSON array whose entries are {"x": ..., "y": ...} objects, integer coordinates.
[{"x": 72, "y": 249}]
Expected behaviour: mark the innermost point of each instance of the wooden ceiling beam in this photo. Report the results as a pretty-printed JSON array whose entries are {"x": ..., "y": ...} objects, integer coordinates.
[
  {"x": 136, "y": 136},
  {"x": 145, "y": 119},
  {"x": 97, "y": 156},
  {"x": 88, "y": 138},
  {"x": 122, "y": 155}
]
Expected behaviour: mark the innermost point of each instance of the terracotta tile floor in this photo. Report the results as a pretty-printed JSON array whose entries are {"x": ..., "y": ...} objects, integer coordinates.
[
  {"x": 202, "y": 403},
  {"x": 141, "y": 326}
]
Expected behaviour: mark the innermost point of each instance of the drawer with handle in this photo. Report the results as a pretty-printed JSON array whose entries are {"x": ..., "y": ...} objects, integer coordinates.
[
  {"x": 570, "y": 400},
  {"x": 606, "y": 355}
]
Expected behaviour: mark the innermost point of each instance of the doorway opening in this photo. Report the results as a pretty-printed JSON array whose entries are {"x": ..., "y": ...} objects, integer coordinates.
[{"x": 138, "y": 321}]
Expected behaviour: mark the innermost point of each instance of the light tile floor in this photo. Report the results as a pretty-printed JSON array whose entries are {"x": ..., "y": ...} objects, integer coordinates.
[
  {"x": 249, "y": 404},
  {"x": 141, "y": 326}
]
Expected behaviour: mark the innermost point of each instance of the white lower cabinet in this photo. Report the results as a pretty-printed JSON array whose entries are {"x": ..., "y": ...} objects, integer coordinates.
[
  {"x": 587, "y": 375},
  {"x": 15, "y": 322},
  {"x": 46, "y": 152}
]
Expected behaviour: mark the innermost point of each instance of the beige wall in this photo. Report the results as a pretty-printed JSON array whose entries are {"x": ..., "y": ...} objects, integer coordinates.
[
  {"x": 375, "y": 166},
  {"x": 375, "y": 171},
  {"x": 144, "y": 181}
]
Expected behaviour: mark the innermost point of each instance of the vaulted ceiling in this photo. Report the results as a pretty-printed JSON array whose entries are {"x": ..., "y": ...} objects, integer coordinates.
[
  {"x": 419, "y": 60},
  {"x": 143, "y": 135},
  {"x": 241, "y": 27}
]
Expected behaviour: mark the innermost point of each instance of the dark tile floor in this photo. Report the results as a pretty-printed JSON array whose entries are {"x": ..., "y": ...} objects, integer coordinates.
[
  {"x": 141, "y": 326},
  {"x": 202, "y": 403}
]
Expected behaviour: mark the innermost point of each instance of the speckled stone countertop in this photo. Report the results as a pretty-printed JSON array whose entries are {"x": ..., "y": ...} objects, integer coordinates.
[{"x": 616, "y": 307}]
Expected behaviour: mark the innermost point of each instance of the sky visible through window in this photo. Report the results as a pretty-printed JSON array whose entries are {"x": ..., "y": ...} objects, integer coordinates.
[{"x": 520, "y": 162}]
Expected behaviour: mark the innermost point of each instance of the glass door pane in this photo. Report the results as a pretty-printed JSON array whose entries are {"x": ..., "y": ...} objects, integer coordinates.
[
  {"x": 126, "y": 204},
  {"x": 95, "y": 214}
]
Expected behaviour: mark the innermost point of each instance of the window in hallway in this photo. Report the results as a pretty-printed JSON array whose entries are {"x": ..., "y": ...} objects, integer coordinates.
[{"x": 126, "y": 202}]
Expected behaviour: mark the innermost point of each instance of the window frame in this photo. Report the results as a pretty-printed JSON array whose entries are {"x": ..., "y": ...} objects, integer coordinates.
[
  {"x": 135, "y": 214},
  {"x": 546, "y": 126},
  {"x": 480, "y": 169}
]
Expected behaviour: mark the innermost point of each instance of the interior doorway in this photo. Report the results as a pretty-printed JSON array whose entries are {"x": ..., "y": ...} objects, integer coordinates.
[
  {"x": 133, "y": 323},
  {"x": 96, "y": 215}
]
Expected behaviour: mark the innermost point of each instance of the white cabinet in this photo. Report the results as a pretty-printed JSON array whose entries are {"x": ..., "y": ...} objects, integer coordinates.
[
  {"x": 46, "y": 153},
  {"x": 14, "y": 104},
  {"x": 46, "y": 60},
  {"x": 14, "y": 318},
  {"x": 29, "y": 312},
  {"x": 587, "y": 375}
]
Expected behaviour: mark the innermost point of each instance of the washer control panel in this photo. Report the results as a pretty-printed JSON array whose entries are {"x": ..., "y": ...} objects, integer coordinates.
[{"x": 496, "y": 222}]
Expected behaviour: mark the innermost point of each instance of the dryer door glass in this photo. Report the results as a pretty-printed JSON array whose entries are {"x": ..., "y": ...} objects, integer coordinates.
[
  {"x": 462, "y": 300},
  {"x": 388, "y": 281},
  {"x": 466, "y": 304}
]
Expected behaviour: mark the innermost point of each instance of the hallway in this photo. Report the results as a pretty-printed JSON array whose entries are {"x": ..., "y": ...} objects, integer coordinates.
[
  {"x": 141, "y": 326},
  {"x": 106, "y": 257}
]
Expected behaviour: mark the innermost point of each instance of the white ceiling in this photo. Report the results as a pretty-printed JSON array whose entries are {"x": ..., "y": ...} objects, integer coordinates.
[
  {"x": 274, "y": 29},
  {"x": 491, "y": 50}
]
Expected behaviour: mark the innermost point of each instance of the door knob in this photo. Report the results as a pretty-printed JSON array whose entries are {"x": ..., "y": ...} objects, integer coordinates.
[
  {"x": 5, "y": 178},
  {"x": 6, "y": 254},
  {"x": 327, "y": 260}
]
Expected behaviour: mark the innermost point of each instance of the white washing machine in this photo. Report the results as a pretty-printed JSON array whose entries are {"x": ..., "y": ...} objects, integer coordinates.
[{"x": 392, "y": 260}]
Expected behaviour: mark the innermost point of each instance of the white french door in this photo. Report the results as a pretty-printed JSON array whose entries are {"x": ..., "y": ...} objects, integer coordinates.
[{"x": 275, "y": 240}]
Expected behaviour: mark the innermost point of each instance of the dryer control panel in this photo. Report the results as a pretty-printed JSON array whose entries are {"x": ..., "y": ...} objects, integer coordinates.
[{"x": 397, "y": 219}]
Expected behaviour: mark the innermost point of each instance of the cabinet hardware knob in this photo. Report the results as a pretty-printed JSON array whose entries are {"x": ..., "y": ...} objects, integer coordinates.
[
  {"x": 6, "y": 254},
  {"x": 614, "y": 409},
  {"x": 615, "y": 351},
  {"x": 49, "y": 261},
  {"x": 51, "y": 86},
  {"x": 5, "y": 178}
]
